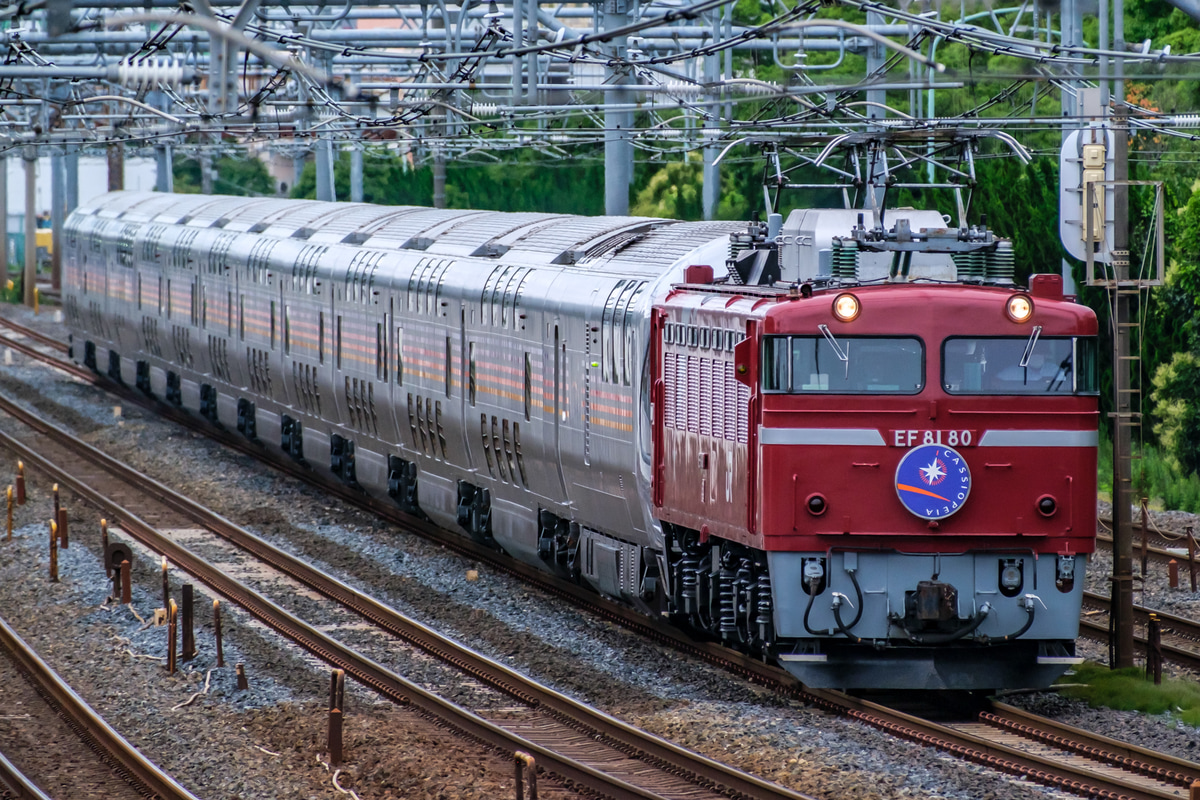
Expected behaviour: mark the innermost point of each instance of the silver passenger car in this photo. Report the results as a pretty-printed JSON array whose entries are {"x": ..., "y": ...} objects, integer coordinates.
[{"x": 484, "y": 369}]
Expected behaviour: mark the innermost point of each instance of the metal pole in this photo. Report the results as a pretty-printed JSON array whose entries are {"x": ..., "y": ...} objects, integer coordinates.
[
  {"x": 1071, "y": 37},
  {"x": 164, "y": 177},
  {"x": 712, "y": 183},
  {"x": 297, "y": 170},
  {"x": 207, "y": 173},
  {"x": 72, "y": 165},
  {"x": 4, "y": 211},
  {"x": 618, "y": 149},
  {"x": 518, "y": 62},
  {"x": 711, "y": 188},
  {"x": 439, "y": 175},
  {"x": 30, "y": 156},
  {"x": 58, "y": 191},
  {"x": 1125, "y": 416},
  {"x": 356, "y": 175},
  {"x": 325, "y": 189},
  {"x": 116, "y": 167},
  {"x": 877, "y": 99}
]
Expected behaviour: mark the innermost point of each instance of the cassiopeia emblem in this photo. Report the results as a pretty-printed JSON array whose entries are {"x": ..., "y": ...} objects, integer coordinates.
[{"x": 933, "y": 481}]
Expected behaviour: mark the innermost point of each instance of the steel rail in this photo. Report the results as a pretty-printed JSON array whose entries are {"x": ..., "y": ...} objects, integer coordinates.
[
  {"x": 16, "y": 784},
  {"x": 1094, "y": 745},
  {"x": 92, "y": 728},
  {"x": 752, "y": 669},
  {"x": 677, "y": 760},
  {"x": 362, "y": 669},
  {"x": 975, "y": 749},
  {"x": 29, "y": 333},
  {"x": 1185, "y": 629},
  {"x": 1064, "y": 774}
]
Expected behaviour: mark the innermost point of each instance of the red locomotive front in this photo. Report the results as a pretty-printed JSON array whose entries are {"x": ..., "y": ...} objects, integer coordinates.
[{"x": 902, "y": 474}]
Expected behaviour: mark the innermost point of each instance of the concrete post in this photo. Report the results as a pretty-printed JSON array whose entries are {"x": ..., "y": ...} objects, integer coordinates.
[
  {"x": 116, "y": 167},
  {"x": 4, "y": 257},
  {"x": 164, "y": 176},
  {"x": 325, "y": 186},
  {"x": 207, "y": 173},
  {"x": 711, "y": 188},
  {"x": 356, "y": 174},
  {"x": 58, "y": 191},
  {"x": 618, "y": 148},
  {"x": 297, "y": 170},
  {"x": 439, "y": 176},
  {"x": 30, "y": 156},
  {"x": 72, "y": 168}
]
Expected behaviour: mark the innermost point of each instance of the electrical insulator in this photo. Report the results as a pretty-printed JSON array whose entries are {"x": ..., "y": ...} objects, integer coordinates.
[{"x": 149, "y": 72}]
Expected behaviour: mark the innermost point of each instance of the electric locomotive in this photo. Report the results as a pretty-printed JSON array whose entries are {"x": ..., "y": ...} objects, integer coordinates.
[{"x": 858, "y": 450}]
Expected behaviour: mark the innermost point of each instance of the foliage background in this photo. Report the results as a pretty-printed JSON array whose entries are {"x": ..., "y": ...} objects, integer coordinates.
[{"x": 1018, "y": 200}]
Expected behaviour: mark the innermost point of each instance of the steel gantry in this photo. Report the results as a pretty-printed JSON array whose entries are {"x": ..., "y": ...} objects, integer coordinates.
[{"x": 436, "y": 79}]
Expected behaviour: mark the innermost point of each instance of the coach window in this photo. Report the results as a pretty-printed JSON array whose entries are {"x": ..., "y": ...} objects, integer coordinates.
[
  {"x": 337, "y": 344},
  {"x": 1031, "y": 364},
  {"x": 825, "y": 364},
  {"x": 471, "y": 372},
  {"x": 528, "y": 388},
  {"x": 380, "y": 352},
  {"x": 400, "y": 356}
]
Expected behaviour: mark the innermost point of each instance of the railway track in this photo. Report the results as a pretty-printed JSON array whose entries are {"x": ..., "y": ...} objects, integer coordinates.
[
  {"x": 15, "y": 786},
  {"x": 1011, "y": 740},
  {"x": 52, "y": 738},
  {"x": 582, "y": 746},
  {"x": 1060, "y": 765},
  {"x": 1180, "y": 636},
  {"x": 48, "y": 350}
]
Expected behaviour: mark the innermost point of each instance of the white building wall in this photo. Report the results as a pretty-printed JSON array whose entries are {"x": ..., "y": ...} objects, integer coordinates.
[{"x": 93, "y": 182}]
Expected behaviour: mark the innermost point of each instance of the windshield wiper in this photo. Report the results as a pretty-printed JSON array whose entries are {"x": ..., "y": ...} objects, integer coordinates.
[
  {"x": 1028, "y": 354},
  {"x": 843, "y": 355}
]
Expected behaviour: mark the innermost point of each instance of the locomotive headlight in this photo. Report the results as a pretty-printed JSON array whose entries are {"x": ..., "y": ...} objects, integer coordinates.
[
  {"x": 846, "y": 307},
  {"x": 1019, "y": 308}
]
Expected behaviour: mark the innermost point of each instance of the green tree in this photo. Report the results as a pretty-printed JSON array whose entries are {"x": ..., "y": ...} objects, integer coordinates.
[
  {"x": 1176, "y": 401},
  {"x": 675, "y": 191},
  {"x": 242, "y": 175},
  {"x": 523, "y": 180},
  {"x": 1174, "y": 312}
]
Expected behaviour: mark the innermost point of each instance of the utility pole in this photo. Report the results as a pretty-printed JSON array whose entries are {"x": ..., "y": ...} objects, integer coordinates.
[
  {"x": 618, "y": 122},
  {"x": 356, "y": 174},
  {"x": 58, "y": 202},
  {"x": 30, "y": 284},
  {"x": 115, "y": 153},
  {"x": 4, "y": 213},
  {"x": 1125, "y": 417}
]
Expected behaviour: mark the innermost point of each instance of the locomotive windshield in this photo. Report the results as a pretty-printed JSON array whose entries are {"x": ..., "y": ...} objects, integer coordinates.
[
  {"x": 1019, "y": 365},
  {"x": 828, "y": 364}
]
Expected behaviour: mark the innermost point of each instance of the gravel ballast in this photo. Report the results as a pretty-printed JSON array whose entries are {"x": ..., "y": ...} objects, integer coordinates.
[{"x": 269, "y": 741}]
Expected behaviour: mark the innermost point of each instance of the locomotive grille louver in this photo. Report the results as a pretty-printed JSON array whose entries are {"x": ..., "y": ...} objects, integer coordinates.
[
  {"x": 844, "y": 260},
  {"x": 1001, "y": 263}
]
